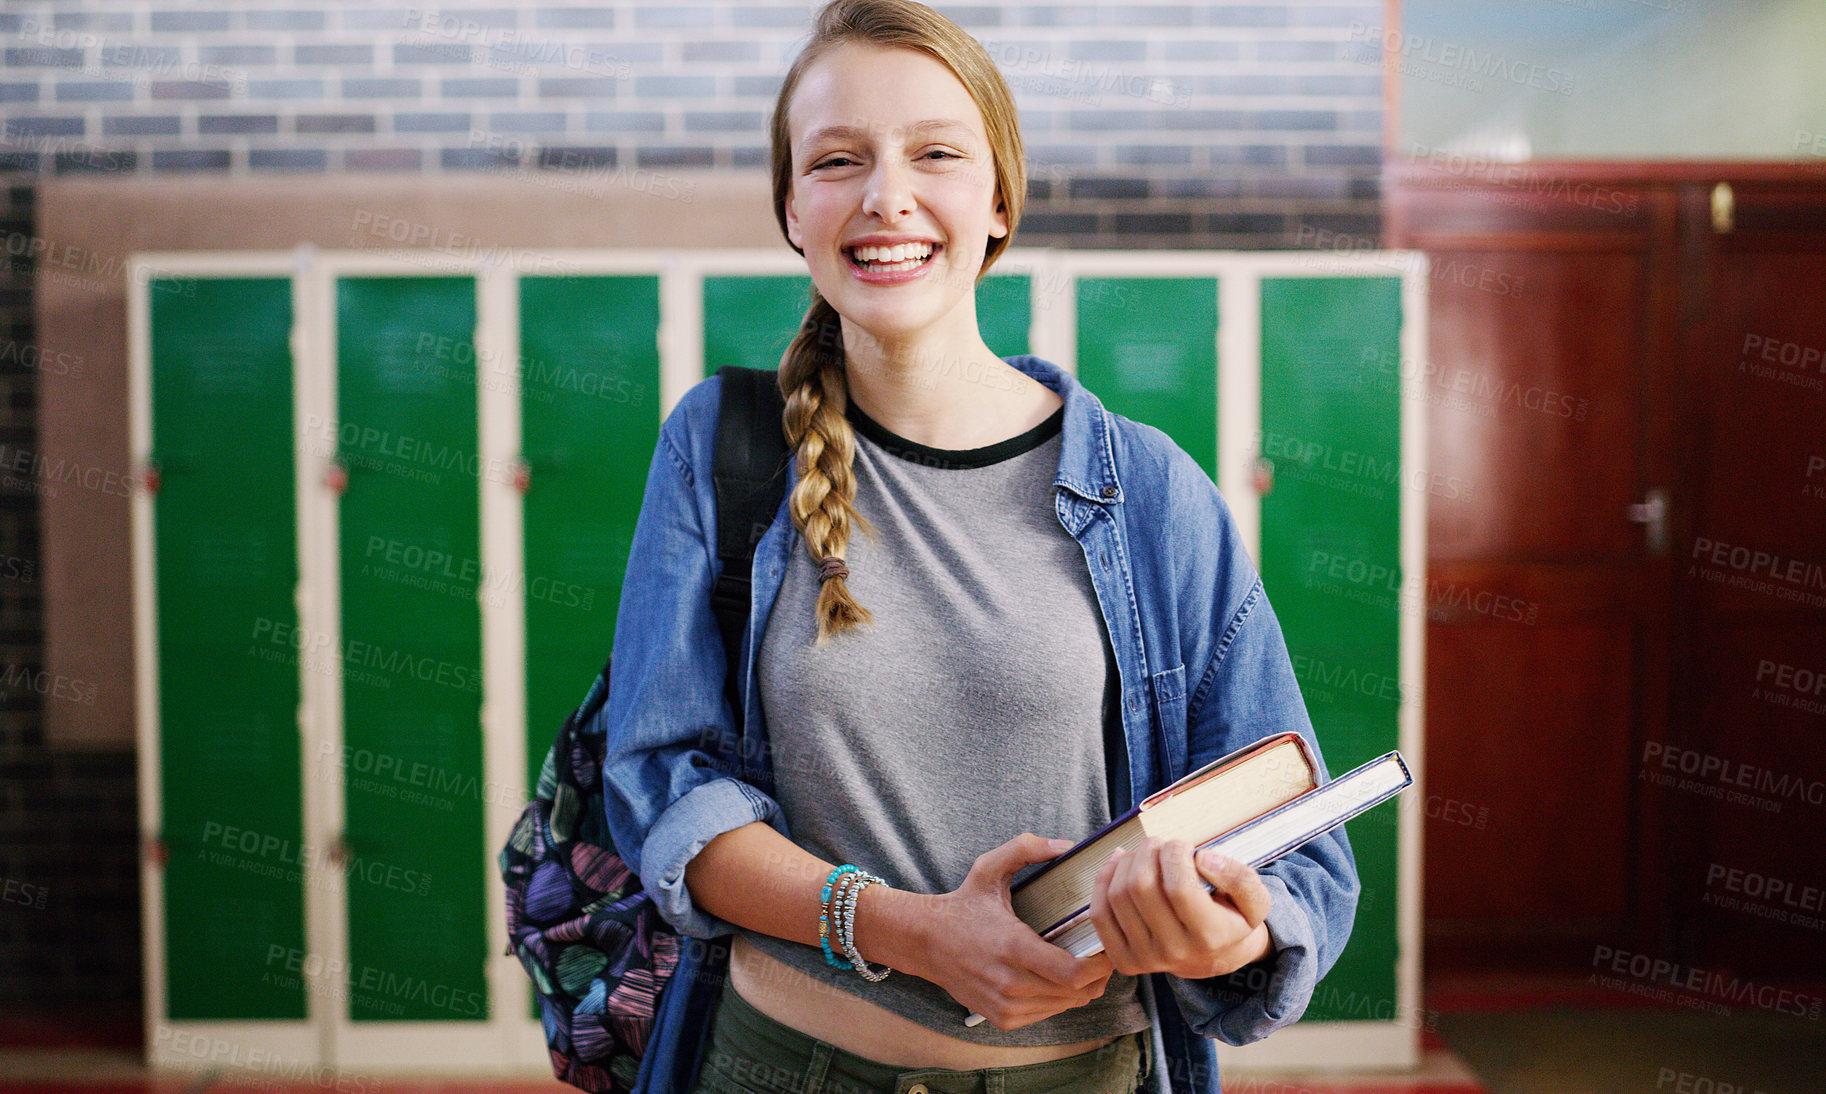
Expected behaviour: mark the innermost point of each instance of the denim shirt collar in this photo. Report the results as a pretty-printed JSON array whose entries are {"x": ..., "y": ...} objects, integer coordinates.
[{"x": 1087, "y": 466}]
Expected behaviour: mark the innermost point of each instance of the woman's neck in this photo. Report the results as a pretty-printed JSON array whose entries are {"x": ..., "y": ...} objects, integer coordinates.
[{"x": 948, "y": 393}]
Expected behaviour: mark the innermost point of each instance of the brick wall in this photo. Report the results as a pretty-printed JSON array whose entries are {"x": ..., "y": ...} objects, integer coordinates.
[
  {"x": 1178, "y": 125},
  {"x": 69, "y": 888},
  {"x": 1223, "y": 125}
]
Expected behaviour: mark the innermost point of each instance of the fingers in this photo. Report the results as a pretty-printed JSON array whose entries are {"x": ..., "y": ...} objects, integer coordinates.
[
  {"x": 1057, "y": 966},
  {"x": 1022, "y": 850},
  {"x": 1118, "y": 946},
  {"x": 1134, "y": 885},
  {"x": 1012, "y": 993},
  {"x": 1154, "y": 913},
  {"x": 1239, "y": 884}
]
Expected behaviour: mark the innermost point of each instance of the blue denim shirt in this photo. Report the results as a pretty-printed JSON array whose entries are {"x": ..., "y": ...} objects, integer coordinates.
[{"x": 1203, "y": 668}]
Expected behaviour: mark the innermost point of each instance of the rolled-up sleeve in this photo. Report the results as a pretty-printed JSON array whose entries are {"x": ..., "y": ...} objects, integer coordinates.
[
  {"x": 668, "y": 788},
  {"x": 1249, "y": 691}
]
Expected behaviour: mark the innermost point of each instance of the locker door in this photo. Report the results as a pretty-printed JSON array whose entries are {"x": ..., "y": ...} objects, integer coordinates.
[
  {"x": 1004, "y": 312},
  {"x": 227, "y": 649},
  {"x": 1147, "y": 347},
  {"x": 589, "y": 399},
  {"x": 1331, "y": 562},
  {"x": 411, "y": 654},
  {"x": 749, "y": 320}
]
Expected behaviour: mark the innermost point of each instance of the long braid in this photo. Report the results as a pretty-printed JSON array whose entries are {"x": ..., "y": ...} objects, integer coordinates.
[{"x": 823, "y": 502}]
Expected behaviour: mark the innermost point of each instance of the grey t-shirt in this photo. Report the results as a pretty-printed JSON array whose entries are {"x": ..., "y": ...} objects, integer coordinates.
[{"x": 969, "y": 711}]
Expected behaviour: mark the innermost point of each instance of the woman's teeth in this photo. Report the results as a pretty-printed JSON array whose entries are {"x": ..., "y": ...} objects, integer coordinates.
[{"x": 895, "y": 259}]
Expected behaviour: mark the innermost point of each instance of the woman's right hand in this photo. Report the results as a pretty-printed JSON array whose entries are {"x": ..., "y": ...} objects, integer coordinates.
[{"x": 970, "y": 942}]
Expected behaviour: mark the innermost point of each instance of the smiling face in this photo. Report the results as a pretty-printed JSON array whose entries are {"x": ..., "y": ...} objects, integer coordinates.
[{"x": 893, "y": 190}]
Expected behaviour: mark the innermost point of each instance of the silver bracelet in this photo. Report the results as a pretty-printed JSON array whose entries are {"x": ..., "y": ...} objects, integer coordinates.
[{"x": 846, "y": 930}]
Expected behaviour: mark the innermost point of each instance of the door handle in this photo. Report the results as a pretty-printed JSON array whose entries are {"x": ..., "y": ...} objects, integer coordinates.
[{"x": 1651, "y": 513}]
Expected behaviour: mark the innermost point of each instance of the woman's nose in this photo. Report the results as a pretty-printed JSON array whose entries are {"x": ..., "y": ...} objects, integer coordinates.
[{"x": 890, "y": 191}]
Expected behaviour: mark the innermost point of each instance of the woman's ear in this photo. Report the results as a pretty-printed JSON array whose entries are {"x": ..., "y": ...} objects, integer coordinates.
[
  {"x": 999, "y": 226},
  {"x": 792, "y": 222}
]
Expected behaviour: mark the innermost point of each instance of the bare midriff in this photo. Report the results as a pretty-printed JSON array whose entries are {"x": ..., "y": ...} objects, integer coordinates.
[{"x": 793, "y": 998}]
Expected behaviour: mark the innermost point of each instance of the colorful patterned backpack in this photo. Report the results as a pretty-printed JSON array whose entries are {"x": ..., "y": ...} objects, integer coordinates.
[{"x": 597, "y": 950}]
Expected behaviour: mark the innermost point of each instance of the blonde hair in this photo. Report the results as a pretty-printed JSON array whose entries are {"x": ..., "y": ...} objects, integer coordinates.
[{"x": 811, "y": 371}]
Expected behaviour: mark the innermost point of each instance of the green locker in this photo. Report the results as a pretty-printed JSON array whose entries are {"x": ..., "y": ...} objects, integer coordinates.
[
  {"x": 421, "y": 896},
  {"x": 1148, "y": 348},
  {"x": 1331, "y": 562},
  {"x": 1004, "y": 312},
  {"x": 750, "y": 320},
  {"x": 227, "y": 565},
  {"x": 411, "y": 635},
  {"x": 589, "y": 414}
]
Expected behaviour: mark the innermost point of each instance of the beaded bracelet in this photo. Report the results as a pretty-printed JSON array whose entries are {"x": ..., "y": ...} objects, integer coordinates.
[
  {"x": 839, "y": 878},
  {"x": 846, "y": 934}
]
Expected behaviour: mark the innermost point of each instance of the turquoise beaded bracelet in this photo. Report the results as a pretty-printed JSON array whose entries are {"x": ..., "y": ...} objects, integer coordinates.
[{"x": 824, "y": 916}]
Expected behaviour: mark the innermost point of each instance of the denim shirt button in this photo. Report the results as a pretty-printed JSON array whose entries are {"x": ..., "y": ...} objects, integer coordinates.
[{"x": 1109, "y": 491}]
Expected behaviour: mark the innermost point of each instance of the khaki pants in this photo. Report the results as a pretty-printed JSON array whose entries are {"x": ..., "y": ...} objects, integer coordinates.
[{"x": 751, "y": 1053}]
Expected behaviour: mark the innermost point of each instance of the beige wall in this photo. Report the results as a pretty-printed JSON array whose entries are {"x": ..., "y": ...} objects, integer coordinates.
[{"x": 88, "y": 228}]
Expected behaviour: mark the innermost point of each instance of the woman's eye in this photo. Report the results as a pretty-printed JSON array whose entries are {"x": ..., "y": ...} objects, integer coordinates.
[
  {"x": 942, "y": 152},
  {"x": 834, "y": 161}
]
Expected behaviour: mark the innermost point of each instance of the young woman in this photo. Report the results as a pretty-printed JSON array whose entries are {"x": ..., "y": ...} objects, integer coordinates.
[{"x": 989, "y": 616}]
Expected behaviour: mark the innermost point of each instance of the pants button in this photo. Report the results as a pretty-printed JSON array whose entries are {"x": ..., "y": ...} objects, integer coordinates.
[{"x": 917, "y": 1088}]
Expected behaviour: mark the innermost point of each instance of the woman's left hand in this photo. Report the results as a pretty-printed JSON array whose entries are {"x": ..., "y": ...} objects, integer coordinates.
[{"x": 1154, "y": 915}]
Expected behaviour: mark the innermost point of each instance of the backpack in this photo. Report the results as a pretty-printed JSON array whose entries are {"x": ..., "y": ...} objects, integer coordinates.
[{"x": 597, "y": 950}]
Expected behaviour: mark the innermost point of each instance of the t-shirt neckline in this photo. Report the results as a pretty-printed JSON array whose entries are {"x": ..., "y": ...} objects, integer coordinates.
[{"x": 952, "y": 458}]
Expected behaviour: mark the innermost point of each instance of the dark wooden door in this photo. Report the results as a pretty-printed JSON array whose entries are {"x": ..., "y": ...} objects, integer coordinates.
[
  {"x": 1626, "y": 669},
  {"x": 1550, "y": 380},
  {"x": 1744, "y": 775}
]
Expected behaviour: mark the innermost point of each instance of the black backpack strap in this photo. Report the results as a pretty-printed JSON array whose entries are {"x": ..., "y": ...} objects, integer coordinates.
[{"x": 750, "y": 476}]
